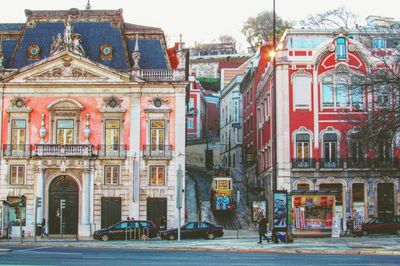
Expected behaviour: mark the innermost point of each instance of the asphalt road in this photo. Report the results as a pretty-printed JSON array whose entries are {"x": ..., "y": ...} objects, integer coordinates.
[{"x": 101, "y": 256}]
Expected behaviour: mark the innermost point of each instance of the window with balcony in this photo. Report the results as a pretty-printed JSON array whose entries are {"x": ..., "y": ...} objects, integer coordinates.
[
  {"x": 18, "y": 135},
  {"x": 17, "y": 174},
  {"x": 111, "y": 174},
  {"x": 157, "y": 175},
  {"x": 341, "y": 49},
  {"x": 302, "y": 146},
  {"x": 112, "y": 137},
  {"x": 330, "y": 146},
  {"x": 157, "y": 135},
  {"x": 65, "y": 131}
]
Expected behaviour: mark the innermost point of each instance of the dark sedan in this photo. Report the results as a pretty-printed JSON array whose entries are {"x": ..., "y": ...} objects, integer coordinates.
[
  {"x": 382, "y": 225},
  {"x": 127, "y": 230},
  {"x": 195, "y": 230}
]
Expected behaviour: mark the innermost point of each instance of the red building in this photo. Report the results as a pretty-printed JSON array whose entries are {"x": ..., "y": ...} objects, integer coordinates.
[{"x": 318, "y": 148}]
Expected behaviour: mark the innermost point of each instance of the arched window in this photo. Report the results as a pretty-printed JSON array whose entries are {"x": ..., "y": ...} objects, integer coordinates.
[
  {"x": 303, "y": 146},
  {"x": 341, "y": 51}
]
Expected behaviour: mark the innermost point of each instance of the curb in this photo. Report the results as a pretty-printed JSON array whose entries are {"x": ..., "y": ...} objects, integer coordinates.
[
  {"x": 210, "y": 249},
  {"x": 4, "y": 250}
]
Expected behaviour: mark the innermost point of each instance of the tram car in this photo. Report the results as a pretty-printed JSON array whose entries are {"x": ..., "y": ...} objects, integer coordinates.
[{"x": 221, "y": 194}]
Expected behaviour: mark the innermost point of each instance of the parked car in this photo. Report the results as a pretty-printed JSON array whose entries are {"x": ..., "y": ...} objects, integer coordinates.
[
  {"x": 382, "y": 225},
  {"x": 127, "y": 230},
  {"x": 195, "y": 230}
]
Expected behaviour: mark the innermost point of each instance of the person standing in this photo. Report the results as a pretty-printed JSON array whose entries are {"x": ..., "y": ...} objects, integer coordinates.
[
  {"x": 43, "y": 229},
  {"x": 262, "y": 228}
]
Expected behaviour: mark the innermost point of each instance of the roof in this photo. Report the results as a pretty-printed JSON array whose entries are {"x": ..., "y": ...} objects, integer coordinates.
[
  {"x": 233, "y": 63},
  {"x": 97, "y": 28}
]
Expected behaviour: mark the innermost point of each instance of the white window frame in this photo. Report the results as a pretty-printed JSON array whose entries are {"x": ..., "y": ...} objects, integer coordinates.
[
  {"x": 297, "y": 90},
  {"x": 150, "y": 175},
  {"x": 19, "y": 182},
  {"x": 112, "y": 167}
]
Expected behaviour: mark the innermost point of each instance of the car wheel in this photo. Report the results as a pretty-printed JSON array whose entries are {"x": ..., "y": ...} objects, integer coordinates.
[
  {"x": 171, "y": 237},
  {"x": 210, "y": 236},
  {"x": 364, "y": 233},
  {"x": 105, "y": 238}
]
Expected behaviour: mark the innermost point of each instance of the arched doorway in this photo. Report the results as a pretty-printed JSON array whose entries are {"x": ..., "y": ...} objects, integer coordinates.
[
  {"x": 63, "y": 187},
  {"x": 385, "y": 199}
]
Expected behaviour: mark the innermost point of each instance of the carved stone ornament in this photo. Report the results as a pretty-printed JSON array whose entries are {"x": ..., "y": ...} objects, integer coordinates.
[
  {"x": 106, "y": 52},
  {"x": 69, "y": 41},
  {"x": 351, "y": 47},
  {"x": 158, "y": 105},
  {"x": 342, "y": 68},
  {"x": 19, "y": 105},
  {"x": 33, "y": 52},
  {"x": 331, "y": 47},
  {"x": 112, "y": 104}
]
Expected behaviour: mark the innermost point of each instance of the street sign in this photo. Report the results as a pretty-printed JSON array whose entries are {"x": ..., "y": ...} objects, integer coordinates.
[
  {"x": 62, "y": 204},
  {"x": 38, "y": 202}
]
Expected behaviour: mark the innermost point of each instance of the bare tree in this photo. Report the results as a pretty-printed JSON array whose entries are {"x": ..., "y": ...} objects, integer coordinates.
[
  {"x": 258, "y": 30},
  {"x": 331, "y": 19}
]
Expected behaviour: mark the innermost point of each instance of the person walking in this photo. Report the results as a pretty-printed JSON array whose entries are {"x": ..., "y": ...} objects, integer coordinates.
[
  {"x": 349, "y": 226},
  {"x": 262, "y": 228},
  {"x": 43, "y": 229}
]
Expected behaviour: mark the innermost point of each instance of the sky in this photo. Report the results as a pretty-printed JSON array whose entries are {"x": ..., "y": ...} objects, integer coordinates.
[{"x": 203, "y": 20}]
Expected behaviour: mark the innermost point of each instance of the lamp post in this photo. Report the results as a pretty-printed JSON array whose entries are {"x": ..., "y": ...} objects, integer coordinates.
[{"x": 274, "y": 156}]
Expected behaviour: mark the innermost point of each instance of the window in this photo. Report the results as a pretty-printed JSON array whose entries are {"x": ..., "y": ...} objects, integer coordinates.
[
  {"x": 383, "y": 97},
  {"x": 121, "y": 226},
  {"x": 342, "y": 95},
  {"x": 303, "y": 146},
  {"x": 358, "y": 192},
  {"x": 330, "y": 146},
  {"x": 157, "y": 175},
  {"x": 17, "y": 174},
  {"x": 357, "y": 94},
  {"x": 302, "y": 91},
  {"x": 338, "y": 194},
  {"x": 111, "y": 174},
  {"x": 203, "y": 225},
  {"x": 303, "y": 186},
  {"x": 341, "y": 52},
  {"x": 112, "y": 135},
  {"x": 65, "y": 131},
  {"x": 157, "y": 135},
  {"x": 190, "y": 226},
  {"x": 327, "y": 95},
  {"x": 18, "y": 134},
  {"x": 190, "y": 123},
  {"x": 191, "y": 106},
  {"x": 356, "y": 147},
  {"x": 379, "y": 43},
  {"x": 236, "y": 111}
]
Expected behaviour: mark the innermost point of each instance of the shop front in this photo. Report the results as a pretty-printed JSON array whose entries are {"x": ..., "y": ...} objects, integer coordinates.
[{"x": 312, "y": 212}]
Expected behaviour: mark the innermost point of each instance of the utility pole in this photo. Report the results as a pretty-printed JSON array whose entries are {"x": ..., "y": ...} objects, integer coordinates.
[
  {"x": 179, "y": 174},
  {"x": 22, "y": 204},
  {"x": 38, "y": 204},
  {"x": 62, "y": 206}
]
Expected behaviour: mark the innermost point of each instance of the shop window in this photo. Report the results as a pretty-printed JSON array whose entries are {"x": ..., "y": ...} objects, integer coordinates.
[
  {"x": 17, "y": 213},
  {"x": 341, "y": 51},
  {"x": 112, "y": 137},
  {"x": 111, "y": 174},
  {"x": 358, "y": 192},
  {"x": 303, "y": 146},
  {"x": 17, "y": 174},
  {"x": 334, "y": 187},
  {"x": 302, "y": 91},
  {"x": 157, "y": 175}
]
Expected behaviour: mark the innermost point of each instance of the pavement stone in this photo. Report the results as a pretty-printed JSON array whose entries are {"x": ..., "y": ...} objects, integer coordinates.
[{"x": 371, "y": 245}]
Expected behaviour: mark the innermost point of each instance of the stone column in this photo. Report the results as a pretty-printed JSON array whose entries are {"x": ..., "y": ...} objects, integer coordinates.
[
  {"x": 85, "y": 209},
  {"x": 40, "y": 191}
]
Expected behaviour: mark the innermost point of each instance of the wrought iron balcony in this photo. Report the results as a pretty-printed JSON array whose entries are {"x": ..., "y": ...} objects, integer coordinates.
[
  {"x": 61, "y": 150},
  {"x": 303, "y": 163},
  {"x": 385, "y": 163},
  {"x": 358, "y": 163},
  {"x": 157, "y": 151},
  {"x": 114, "y": 151},
  {"x": 331, "y": 163},
  {"x": 16, "y": 150}
]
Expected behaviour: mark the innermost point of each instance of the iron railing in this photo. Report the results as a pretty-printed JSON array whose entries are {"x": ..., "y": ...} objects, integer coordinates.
[
  {"x": 16, "y": 150},
  {"x": 157, "y": 151},
  {"x": 303, "y": 163},
  {"x": 330, "y": 163},
  {"x": 118, "y": 151}
]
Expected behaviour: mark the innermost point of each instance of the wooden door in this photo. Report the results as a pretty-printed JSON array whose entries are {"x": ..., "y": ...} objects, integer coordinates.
[{"x": 110, "y": 211}]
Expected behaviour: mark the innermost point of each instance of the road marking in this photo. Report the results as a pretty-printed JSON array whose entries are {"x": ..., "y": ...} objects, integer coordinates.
[
  {"x": 97, "y": 257},
  {"x": 30, "y": 249}
]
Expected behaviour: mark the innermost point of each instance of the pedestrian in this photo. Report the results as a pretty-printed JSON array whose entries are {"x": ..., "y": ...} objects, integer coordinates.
[
  {"x": 163, "y": 223},
  {"x": 9, "y": 230},
  {"x": 349, "y": 226},
  {"x": 43, "y": 229},
  {"x": 128, "y": 219},
  {"x": 262, "y": 228}
]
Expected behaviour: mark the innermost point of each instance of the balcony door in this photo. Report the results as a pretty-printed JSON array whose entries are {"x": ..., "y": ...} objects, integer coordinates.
[
  {"x": 112, "y": 135},
  {"x": 18, "y": 136},
  {"x": 157, "y": 135},
  {"x": 65, "y": 131}
]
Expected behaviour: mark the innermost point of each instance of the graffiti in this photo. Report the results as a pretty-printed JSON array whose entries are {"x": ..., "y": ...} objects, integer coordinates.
[{"x": 222, "y": 202}]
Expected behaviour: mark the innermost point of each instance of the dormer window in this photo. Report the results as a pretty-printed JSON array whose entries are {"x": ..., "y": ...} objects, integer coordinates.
[{"x": 341, "y": 50}]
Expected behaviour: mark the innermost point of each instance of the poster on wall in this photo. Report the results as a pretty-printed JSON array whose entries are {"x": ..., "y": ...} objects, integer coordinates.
[
  {"x": 358, "y": 215},
  {"x": 337, "y": 221},
  {"x": 280, "y": 209},
  {"x": 258, "y": 207}
]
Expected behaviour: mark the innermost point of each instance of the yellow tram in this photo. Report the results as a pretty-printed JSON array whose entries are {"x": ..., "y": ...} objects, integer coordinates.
[{"x": 221, "y": 194}]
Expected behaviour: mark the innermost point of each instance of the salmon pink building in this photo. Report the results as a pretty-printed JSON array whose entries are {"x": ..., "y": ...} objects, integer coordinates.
[{"x": 93, "y": 115}]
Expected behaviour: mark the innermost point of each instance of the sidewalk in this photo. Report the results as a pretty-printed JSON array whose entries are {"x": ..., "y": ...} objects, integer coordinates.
[{"x": 376, "y": 245}]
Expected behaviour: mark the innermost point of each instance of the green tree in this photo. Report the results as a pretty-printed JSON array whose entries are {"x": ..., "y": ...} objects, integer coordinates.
[{"x": 258, "y": 30}]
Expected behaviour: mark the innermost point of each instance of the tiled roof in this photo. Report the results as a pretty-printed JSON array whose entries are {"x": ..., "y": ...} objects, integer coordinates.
[
  {"x": 8, "y": 48},
  {"x": 151, "y": 53},
  {"x": 5, "y": 27}
]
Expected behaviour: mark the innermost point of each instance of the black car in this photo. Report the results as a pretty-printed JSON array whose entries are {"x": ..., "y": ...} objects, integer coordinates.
[
  {"x": 127, "y": 230},
  {"x": 382, "y": 225},
  {"x": 195, "y": 230}
]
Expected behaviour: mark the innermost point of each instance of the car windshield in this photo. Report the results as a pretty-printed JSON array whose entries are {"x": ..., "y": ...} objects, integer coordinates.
[
  {"x": 189, "y": 226},
  {"x": 121, "y": 226}
]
